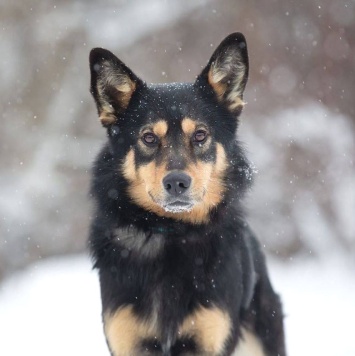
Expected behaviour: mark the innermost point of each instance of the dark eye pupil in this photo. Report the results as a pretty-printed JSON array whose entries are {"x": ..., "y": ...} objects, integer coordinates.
[
  {"x": 200, "y": 136},
  {"x": 149, "y": 138}
]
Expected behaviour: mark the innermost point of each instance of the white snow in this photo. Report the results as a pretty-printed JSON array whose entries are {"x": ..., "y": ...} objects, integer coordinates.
[
  {"x": 53, "y": 308},
  {"x": 319, "y": 306}
]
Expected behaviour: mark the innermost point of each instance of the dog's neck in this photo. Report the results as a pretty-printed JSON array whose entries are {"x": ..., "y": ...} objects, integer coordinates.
[{"x": 162, "y": 230}]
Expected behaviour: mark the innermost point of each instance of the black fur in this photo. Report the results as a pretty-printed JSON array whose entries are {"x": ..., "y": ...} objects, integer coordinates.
[{"x": 215, "y": 263}]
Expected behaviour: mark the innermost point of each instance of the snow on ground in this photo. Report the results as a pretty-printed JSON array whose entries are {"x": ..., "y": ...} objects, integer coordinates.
[
  {"x": 53, "y": 308},
  {"x": 319, "y": 304}
]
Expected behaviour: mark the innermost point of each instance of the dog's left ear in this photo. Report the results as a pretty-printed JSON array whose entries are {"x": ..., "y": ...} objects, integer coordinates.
[
  {"x": 227, "y": 72},
  {"x": 112, "y": 85}
]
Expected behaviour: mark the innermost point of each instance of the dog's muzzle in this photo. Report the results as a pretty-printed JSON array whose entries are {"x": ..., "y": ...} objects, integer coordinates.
[{"x": 176, "y": 185}]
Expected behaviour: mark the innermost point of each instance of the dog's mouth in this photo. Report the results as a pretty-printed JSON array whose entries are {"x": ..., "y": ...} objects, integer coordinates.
[{"x": 177, "y": 206}]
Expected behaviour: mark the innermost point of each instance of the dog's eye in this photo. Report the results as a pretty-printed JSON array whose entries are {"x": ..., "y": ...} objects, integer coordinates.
[
  {"x": 200, "y": 136},
  {"x": 149, "y": 138}
]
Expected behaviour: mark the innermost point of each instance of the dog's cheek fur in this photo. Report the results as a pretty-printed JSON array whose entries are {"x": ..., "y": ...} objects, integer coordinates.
[
  {"x": 144, "y": 182},
  {"x": 208, "y": 178},
  {"x": 216, "y": 188}
]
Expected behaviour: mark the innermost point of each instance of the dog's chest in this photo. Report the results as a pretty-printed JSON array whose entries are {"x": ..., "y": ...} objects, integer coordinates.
[
  {"x": 172, "y": 276},
  {"x": 139, "y": 245},
  {"x": 172, "y": 293}
]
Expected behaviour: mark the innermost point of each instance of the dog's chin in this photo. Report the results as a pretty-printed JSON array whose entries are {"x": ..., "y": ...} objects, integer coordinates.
[{"x": 178, "y": 207}]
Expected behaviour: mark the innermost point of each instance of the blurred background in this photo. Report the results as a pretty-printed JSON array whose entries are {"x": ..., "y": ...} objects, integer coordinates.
[{"x": 298, "y": 125}]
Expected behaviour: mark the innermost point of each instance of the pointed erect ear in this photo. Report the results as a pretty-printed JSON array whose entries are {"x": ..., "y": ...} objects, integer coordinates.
[
  {"x": 227, "y": 72},
  {"x": 112, "y": 85}
]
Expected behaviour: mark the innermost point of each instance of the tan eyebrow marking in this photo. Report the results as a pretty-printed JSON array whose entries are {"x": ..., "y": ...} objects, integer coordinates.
[
  {"x": 160, "y": 128},
  {"x": 188, "y": 126}
]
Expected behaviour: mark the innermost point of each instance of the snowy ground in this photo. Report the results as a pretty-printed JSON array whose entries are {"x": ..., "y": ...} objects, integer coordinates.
[{"x": 53, "y": 308}]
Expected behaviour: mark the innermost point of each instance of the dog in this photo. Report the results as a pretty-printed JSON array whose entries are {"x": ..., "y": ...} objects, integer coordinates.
[{"x": 181, "y": 272}]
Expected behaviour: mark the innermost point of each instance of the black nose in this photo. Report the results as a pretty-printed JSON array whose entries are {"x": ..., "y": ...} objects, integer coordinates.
[{"x": 176, "y": 183}]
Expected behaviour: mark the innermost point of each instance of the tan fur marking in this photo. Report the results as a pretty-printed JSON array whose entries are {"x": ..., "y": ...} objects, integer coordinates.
[
  {"x": 128, "y": 167},
  {"x": 146, "y": 187},
  {"x": 249, "y": 345},
  {"x": 125, "y": 92},
  {"x": 124, "y": 99},
  {"x": 208, "y": 181},
  {"x": 145, "y": 183},
  {"x": 151, "y": 177},
  {"x": 236, "y": 104},
  {"x": 218, "y": 87},
  {"x": 107, "y": 118},
  {"x": 124, "y": 330},
  {"x": 188, "y": 126},
  {"x": 126, "y": 87},
  {"x": 209, "y": 327},
  {"x": 160, "y": 128}
]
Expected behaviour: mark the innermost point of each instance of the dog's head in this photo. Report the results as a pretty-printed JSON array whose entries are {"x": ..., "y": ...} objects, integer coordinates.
[{"x": 175, "y": 143}]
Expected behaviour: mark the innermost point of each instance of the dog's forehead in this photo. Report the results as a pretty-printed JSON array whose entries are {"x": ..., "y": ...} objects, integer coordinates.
[
  {"x": 172, "y": 90},
  {"x": 171, "y": 103}
]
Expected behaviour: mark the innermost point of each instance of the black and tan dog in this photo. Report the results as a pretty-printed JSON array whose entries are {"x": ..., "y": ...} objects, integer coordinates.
[{"x": 180, "y": 271}]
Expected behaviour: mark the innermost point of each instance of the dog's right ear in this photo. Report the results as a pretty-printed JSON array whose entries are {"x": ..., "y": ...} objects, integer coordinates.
[
  {"x": 227, "y": 72},
  {"x": 112, "y": 85}
]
